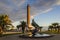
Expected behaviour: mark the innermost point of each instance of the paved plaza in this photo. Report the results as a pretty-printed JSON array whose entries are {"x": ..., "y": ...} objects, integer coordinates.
[{"x": 16, "y": 37}]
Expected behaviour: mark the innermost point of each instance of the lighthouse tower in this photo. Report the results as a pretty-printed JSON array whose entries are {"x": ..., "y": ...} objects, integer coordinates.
[
  {"x": 28, "y": 15},
  {"x": 28, "y": 18}
]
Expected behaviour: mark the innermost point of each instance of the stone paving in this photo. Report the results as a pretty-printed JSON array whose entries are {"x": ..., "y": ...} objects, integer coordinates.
[{"x": 16, "y": 37}]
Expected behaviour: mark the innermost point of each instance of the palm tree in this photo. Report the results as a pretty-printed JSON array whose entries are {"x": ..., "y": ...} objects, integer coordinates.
[
  {"x": 33, "y": 23},
  {"x": 58, "y": 27},
  {"x": 36, "y": 25},
  {"x": 18, "y": 26},
  {"x": 40, "y": 28},
  {"x": 23, "y": 25},
  {"x": 4, "y": 20},
  {"x": 55, "y": 25},
  {"x": 1, "y": 30},
  {"x": 50, "y": 27}
]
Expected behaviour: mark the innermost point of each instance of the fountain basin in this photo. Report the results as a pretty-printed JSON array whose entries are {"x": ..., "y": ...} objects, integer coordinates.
[{"x": 37, "y": 36}]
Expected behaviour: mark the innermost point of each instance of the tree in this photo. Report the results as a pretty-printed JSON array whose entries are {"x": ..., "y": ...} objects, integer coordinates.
[
  {"x": 40, "y": 28},
  {"x": 58, "y": 27},
  {"x": 23, "y": 25},
  {"x": 18, "y": 26},
  {"x": 36, "y": 25},
  {"x": 33, "y": 23},
  {"x": 4, "y": 20},
  {"x": 55, "y": 25},
  {"x": 50, "y": 27}
]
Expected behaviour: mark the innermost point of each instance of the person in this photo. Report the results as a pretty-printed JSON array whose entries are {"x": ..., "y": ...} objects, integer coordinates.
[{"x": 34, "y": 31}]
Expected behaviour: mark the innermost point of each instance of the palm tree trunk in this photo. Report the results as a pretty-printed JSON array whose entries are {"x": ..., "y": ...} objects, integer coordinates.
[
  {"x": 55, "y": 29},
  {"x": 40, "y": 29},
  {"x": 1, "y": 30},
  {"x": 51, "y": 29},
  {"x": 48, "y": 29},
  {"x": 58, "y": 29},
  {"x": 23, "y": 29}
]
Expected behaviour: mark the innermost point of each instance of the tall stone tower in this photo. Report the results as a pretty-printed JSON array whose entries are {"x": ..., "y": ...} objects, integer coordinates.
[
  {"x": 28, "y": 15},
  {"x": 28, "y": 18}
]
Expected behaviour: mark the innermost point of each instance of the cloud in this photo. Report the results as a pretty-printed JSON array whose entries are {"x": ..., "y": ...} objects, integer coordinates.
[
  {"x": 18, "y": 2},
  {"x": 58, "y": 2},
  {"x": 40, "y": 12},
  {"x": 12, "y": 8},
  {"x": 16, "y": 9},
  {"x": 47, "y": 10},
  {"x": 43, "y": 6}
]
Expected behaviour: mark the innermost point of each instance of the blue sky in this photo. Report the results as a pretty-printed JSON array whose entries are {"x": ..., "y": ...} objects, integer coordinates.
[
  {"x": 44, "y": 12},
  {"x": 49, "y": 17}
]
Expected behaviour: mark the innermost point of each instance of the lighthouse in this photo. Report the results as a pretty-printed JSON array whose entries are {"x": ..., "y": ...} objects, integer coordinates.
[
  {"x": 28, "y": 18},
  {"x": 28, "y": 15}
]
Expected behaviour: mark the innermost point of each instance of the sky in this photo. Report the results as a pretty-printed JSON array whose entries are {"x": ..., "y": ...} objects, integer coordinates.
[{"x": 44, "y": 12}]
